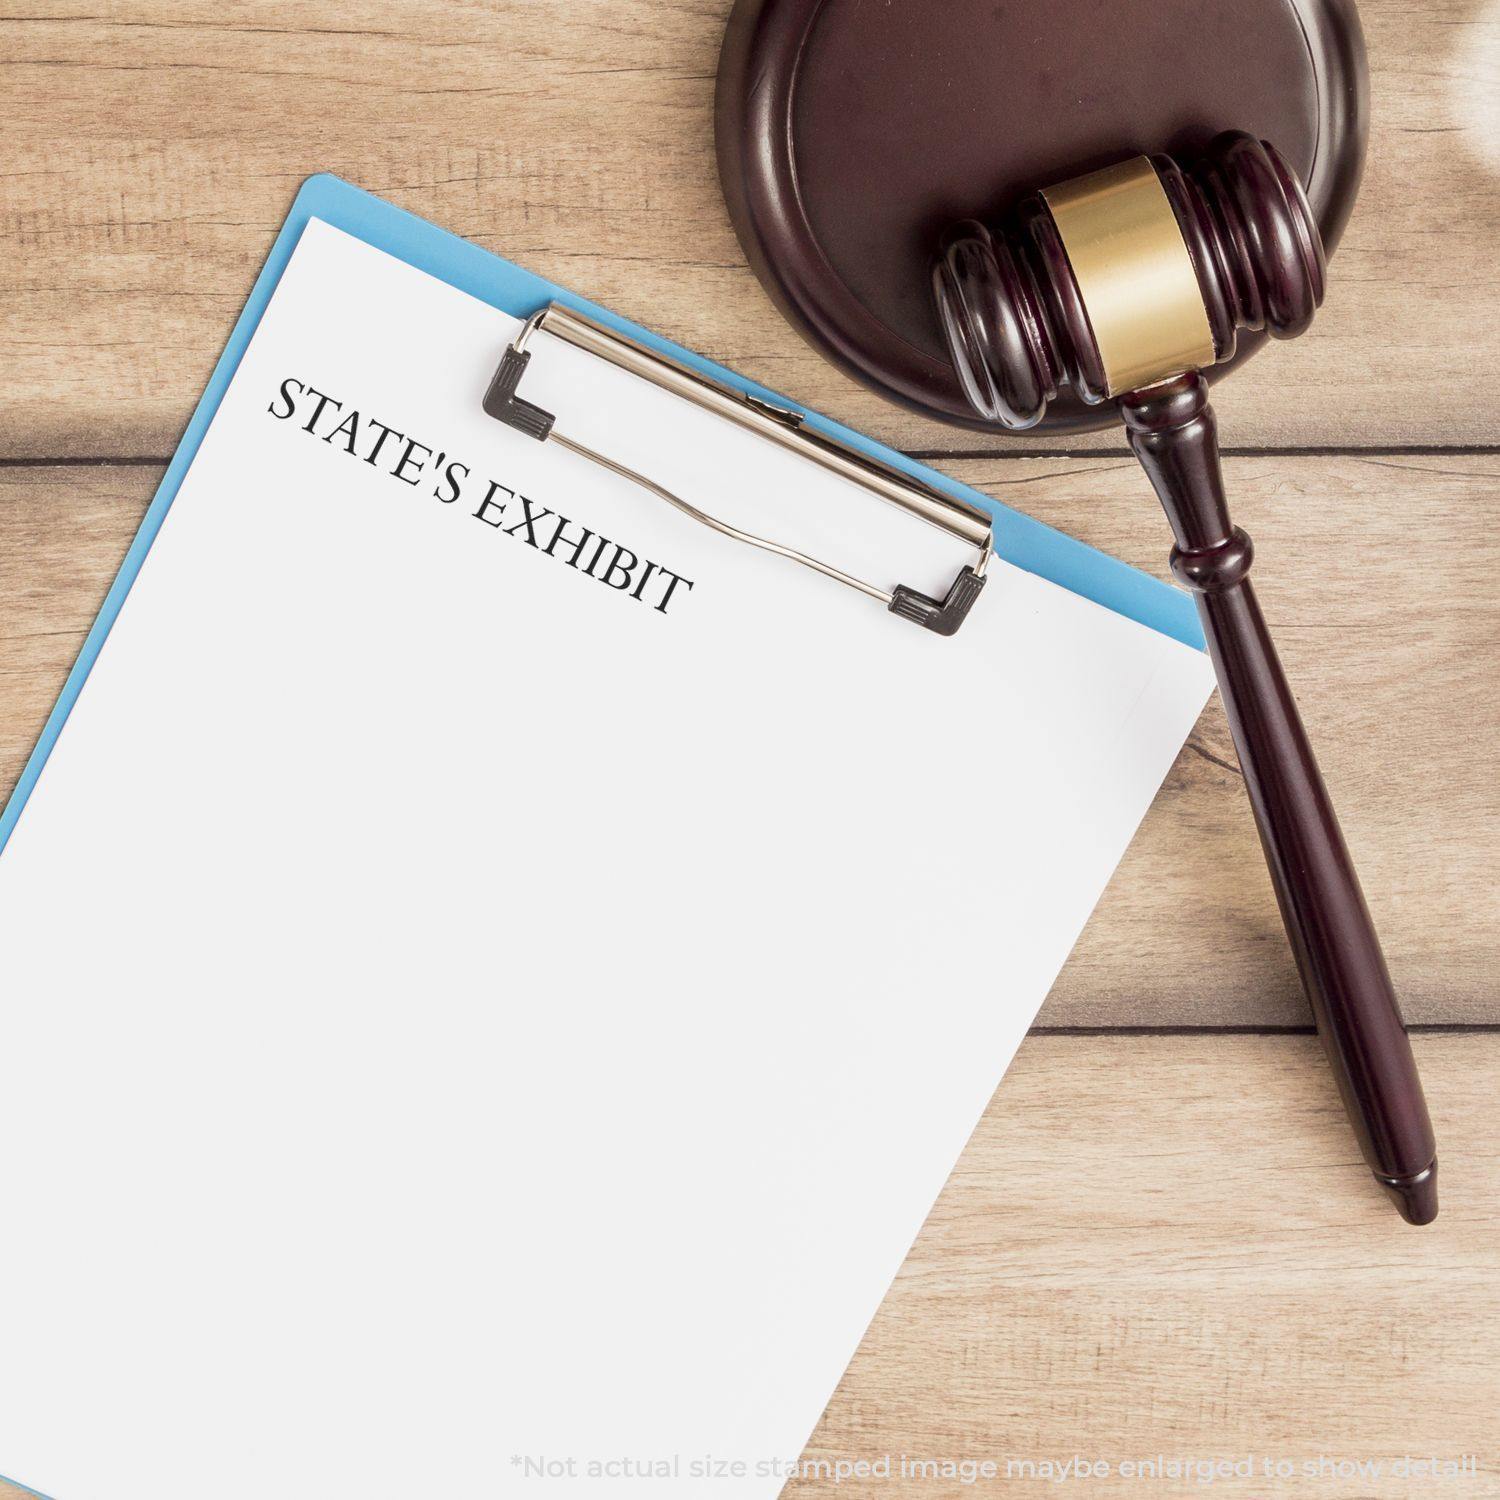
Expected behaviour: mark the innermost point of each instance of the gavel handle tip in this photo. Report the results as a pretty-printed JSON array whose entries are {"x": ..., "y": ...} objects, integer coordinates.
[{"x": 1415, "y": 1196}]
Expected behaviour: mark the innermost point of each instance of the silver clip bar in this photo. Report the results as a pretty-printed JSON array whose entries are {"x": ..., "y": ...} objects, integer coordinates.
[{"x": 779, "y": 425}]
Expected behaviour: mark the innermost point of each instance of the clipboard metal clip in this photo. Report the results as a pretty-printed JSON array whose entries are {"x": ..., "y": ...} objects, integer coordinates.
[{"x": 780, "y": 425}]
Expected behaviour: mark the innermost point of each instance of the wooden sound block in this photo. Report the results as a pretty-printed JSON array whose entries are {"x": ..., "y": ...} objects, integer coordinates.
[{"x": 852, "y": 133}]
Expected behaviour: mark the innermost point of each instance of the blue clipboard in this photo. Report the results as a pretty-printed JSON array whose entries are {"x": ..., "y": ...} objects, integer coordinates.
[{"x": 1019, "y": 539}]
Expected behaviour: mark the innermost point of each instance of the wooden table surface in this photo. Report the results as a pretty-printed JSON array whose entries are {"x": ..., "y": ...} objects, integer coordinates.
[{"x": 1062, "y": 1299}]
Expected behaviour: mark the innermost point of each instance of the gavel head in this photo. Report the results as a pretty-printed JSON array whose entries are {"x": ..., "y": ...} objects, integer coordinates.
[{"x": 1127, "y": 276}]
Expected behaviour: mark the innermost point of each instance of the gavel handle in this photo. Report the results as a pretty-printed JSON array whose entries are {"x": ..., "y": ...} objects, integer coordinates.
[{"x": 1173, "y": 433}]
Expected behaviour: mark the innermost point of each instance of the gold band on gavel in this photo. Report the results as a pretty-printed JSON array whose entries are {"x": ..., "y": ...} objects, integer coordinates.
[{"x": 1132, "y": 267}]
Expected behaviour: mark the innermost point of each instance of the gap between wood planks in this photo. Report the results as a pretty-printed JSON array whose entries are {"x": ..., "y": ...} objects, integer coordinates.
[
  {"x": 1428, "y": 1028},
  {"x": 921, "y": 455}
]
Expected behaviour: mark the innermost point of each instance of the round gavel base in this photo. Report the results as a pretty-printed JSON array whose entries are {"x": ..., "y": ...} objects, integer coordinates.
[{"x": 851, "y": 134}]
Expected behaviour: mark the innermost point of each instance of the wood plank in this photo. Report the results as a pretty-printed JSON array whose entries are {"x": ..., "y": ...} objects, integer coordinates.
[
  {"x": 1391, "y": 644},
  {"x": 1185, "y": 1299},
  {"x": 1181, "y": 1299},
  {"x": 1389, "y": 641},
  {"x": 151, "y": 151}
]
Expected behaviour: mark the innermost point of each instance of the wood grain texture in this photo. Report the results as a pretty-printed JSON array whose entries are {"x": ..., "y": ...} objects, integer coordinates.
[
  {"x": 1181, "y": 1294},
  {"x": 150, "y": 150},
  {"x": 1392, "y": 653},
  {"x": 1168, "y": 1245}
]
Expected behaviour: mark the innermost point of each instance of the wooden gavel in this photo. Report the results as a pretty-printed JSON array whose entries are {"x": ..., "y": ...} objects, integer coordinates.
[{"x": 1125, "y": 284}]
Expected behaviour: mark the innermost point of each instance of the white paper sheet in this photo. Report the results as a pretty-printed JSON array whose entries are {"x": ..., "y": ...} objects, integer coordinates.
[{"x": 456, "y": 1012}]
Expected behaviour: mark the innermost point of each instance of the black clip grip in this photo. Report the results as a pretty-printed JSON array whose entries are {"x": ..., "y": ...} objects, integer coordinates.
[
  {"x": 943, "y": 617},
  {"x": 502, "y": 403}
]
